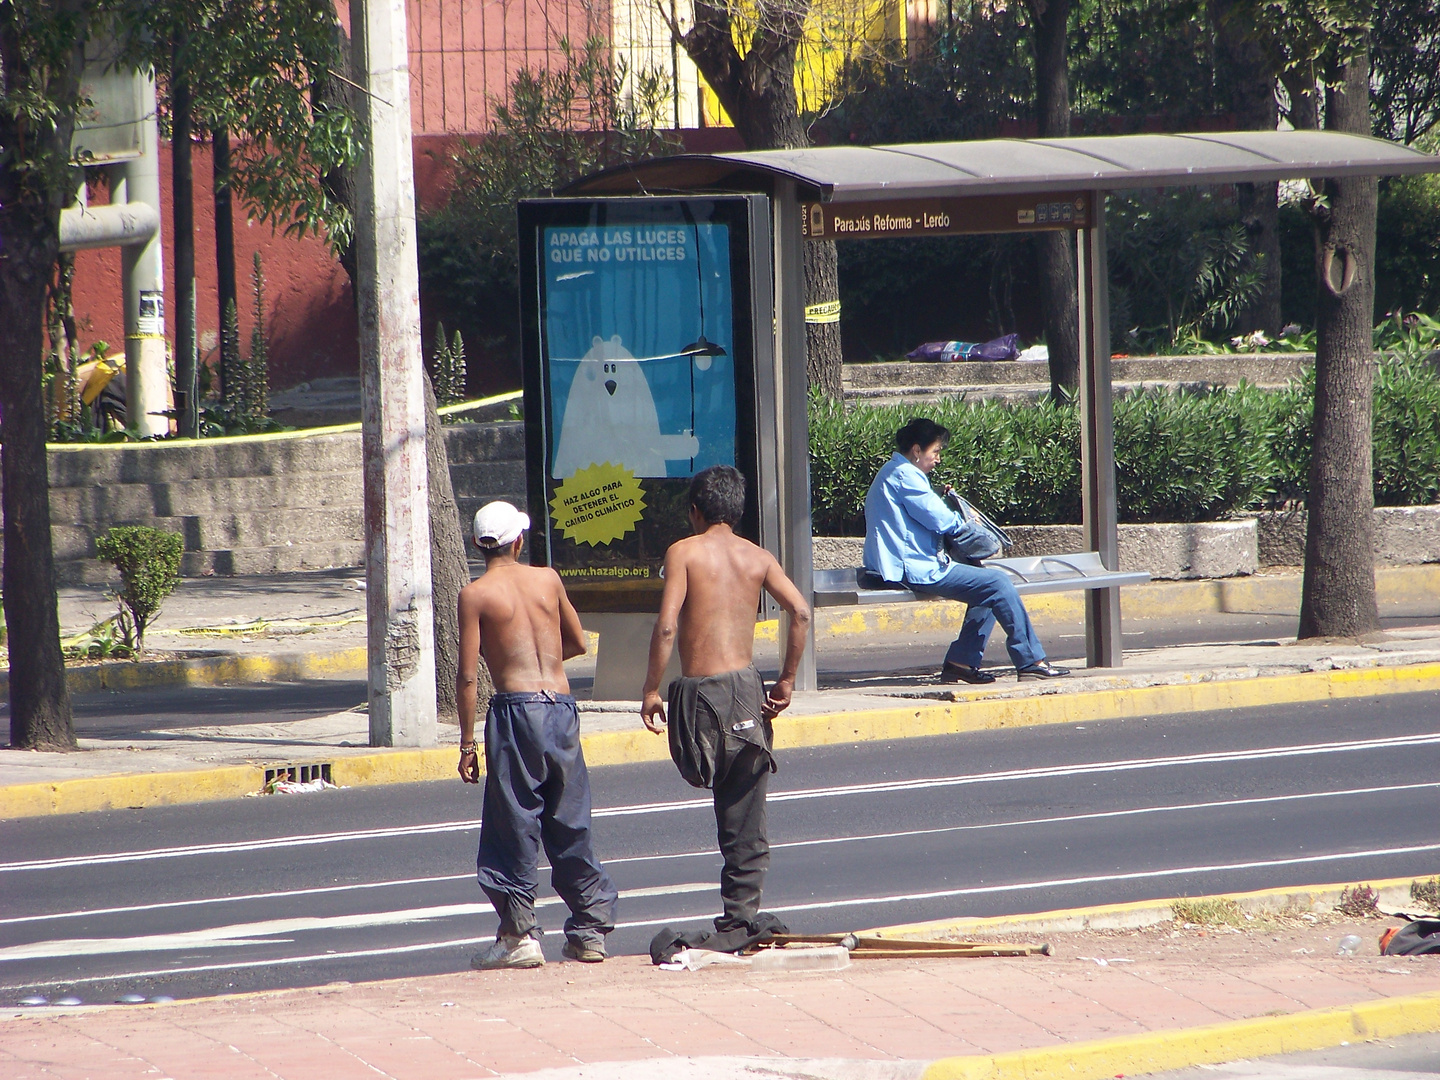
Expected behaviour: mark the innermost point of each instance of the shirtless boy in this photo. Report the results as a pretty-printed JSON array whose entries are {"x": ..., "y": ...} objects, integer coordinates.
[
  {"x": 719, "y": 719},
  {"x": 536, "y": 788}
]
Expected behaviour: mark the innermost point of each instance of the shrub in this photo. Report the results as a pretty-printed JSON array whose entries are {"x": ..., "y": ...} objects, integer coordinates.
[
  {"x": 1180, "y": 455},
  {"x": 149, "y": 564},
  {"x": 1189, "y": 457}
]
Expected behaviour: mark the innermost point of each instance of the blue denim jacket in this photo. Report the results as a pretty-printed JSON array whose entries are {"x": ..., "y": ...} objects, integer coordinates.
[{"x": 906, "y": 524}]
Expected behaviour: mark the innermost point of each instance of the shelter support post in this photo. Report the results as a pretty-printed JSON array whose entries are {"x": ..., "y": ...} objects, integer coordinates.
[
  {"x": 792, "y": 412},
  {"x": 401, "y": 634},
  {"x": 1097, "y": 438}
]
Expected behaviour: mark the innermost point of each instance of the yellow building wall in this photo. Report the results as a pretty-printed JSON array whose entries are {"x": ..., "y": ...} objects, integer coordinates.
[{"x": 836, "y": 31}]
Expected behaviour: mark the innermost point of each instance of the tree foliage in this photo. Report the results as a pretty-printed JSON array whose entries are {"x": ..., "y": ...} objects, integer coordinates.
[
  {"x": 556, "y": 126},
  {"x": 1405, "y": 47},
  {"x": 259, "y": 69}
]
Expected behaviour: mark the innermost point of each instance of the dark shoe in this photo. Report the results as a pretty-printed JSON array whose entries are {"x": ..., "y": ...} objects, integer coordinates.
[
  {"x": 953, "y": 673},
  {"x": 1043, "y": 670},
  {"x": 585, "y": 954}
]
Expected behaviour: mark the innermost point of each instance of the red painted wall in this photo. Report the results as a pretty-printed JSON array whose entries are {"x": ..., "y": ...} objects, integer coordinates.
[{"x": 309, "y": 316}]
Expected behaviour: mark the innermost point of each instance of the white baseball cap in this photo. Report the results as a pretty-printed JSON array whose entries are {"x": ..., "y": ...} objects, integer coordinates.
[{"x": 498, "y": 524}]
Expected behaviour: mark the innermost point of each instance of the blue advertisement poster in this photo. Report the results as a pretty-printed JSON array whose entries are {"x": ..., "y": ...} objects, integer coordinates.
[
  {"x": 640, "y": 373},
  {"x": 640, "y": 348}
]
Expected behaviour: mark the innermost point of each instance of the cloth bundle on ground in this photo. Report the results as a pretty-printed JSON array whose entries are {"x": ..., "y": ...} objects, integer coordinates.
[
  {"x": 943, "y": 352},
  {"x": 1415, "y": 938},
  {"x": 670, "y": 941}
]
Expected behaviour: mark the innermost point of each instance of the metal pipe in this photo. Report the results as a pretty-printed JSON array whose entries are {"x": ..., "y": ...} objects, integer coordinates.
[{"x": 85, "y": 227}]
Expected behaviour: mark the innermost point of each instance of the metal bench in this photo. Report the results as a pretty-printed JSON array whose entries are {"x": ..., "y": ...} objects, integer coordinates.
[{"x": 1036, "y": 574}]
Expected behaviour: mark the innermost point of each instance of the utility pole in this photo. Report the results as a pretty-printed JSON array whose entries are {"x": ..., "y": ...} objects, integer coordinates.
[{"x": 392, "y": 390}]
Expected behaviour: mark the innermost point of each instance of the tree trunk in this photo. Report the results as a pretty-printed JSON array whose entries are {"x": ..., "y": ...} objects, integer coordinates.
[
  {"x": 1247, "y": 87},
  {"x": 225, "y": 287},
  {"x": 35, "y": 182},
  {"x": 183, "y": 211},
  {"x": 822, "y": 353},
  {"x": 449, "y": 572},
  {"x": 758, "y": 91},
  {"x": 1338, "y": 595},
  {"x": 1055, "y": 251}
]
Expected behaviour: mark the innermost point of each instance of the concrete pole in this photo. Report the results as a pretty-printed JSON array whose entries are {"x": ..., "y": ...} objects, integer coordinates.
[
  {"x": 146, "y": 377},
  {"x": 392, "y": 390}
]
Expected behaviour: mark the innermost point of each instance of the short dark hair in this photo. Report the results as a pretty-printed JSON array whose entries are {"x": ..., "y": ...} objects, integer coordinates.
[
  {"x": 921, "y": 432},
  {"x": 719, "y": 494}
]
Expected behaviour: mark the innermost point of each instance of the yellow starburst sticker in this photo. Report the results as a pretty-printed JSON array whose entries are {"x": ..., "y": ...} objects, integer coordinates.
[{"x": 598, "y": 505}]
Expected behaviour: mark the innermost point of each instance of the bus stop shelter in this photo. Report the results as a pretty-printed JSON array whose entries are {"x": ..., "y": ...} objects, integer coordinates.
[{"x": 984, "y": 186}]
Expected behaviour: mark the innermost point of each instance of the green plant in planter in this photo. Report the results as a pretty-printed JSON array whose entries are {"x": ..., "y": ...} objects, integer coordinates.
[{"x": 149, "y": 564}]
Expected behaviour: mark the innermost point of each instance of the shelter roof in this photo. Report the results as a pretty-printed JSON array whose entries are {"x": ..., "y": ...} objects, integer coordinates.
[{"x": 1017, "y": 166}]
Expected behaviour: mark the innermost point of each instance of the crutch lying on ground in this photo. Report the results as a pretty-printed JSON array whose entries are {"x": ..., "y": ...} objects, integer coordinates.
[{"x": 872, "y": 948}]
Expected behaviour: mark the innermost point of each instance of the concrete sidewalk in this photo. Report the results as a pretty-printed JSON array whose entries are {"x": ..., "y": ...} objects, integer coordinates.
[
  {"x": 1107, "y": 1002},
  {"x": 305, "y": 626}
]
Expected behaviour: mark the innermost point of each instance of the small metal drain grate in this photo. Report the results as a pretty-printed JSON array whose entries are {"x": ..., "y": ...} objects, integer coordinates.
[{"x": 300, "y": 774}]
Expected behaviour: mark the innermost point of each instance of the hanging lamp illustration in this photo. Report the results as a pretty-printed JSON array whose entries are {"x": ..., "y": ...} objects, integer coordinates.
[{"x": 701, "y": 346}]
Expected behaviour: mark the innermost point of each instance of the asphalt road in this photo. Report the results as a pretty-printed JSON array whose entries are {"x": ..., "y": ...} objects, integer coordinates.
[
  {"x": 123, "y": 714},
  {"x": 377, "y": 882}
]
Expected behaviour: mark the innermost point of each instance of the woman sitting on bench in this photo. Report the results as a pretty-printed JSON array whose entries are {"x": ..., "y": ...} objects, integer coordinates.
[{"x": 906, "y": 526}]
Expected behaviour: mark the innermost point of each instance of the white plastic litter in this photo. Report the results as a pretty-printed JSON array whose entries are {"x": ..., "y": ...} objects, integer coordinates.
[
  {"x": 1035, "y": 354},
  {"x": 826, "y": 958},
  {"x": 695, "y": 959},
  {"x": 294, "y": 787}
]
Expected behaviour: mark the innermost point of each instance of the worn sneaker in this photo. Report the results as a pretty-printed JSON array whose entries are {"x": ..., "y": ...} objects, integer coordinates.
[
  {"x": 1043, "y": 670},
  {"x": 508, "y": 952},
  {"x": 585, "y": 954},
  {"x": 954, "y": 673}
]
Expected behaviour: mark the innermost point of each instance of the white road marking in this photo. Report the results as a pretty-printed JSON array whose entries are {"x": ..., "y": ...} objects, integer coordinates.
[
  {"x": 713, "y": 853},
  {"x": 898, "y": 898},
  {"x": 1011, "y": 775},
  {"x": 257, "y": 933}
]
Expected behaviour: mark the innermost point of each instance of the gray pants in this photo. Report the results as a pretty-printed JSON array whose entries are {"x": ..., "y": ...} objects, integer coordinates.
[
  {"x": 537, "y": 791},
  {"x": 719, "y": 740}
]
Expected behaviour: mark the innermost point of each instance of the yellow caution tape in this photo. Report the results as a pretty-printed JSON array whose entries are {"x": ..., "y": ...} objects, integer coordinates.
[{"x": 828, "y": 312}]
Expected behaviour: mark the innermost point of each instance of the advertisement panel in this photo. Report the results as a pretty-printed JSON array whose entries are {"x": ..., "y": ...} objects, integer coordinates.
[{"x": 639, "y": 372}]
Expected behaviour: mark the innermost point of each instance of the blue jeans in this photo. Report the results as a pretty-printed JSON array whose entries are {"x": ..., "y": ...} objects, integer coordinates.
[
  {"x": 537, "y": 792},
  {"x": 991, "y": 598}
]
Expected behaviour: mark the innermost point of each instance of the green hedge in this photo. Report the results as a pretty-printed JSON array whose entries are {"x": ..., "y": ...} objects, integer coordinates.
[{"x": 1179, "y": 455}]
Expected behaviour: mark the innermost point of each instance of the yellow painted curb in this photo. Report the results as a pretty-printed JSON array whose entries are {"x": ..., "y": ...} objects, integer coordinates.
[
  {"x": 1259, "y": 595},
  {"x": 1138, "y": 913},
  {"x": 1161, "y": 1051},
  {"x": 90, "y": 793},
  {"x": 975, "y": 712},
  {"x": 224, "y": 670}
]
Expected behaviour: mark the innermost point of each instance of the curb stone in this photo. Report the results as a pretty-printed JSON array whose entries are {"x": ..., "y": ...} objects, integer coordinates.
[
  {"x": 1163, "y": 1051},
  {"x": 1391, "y": 893}
]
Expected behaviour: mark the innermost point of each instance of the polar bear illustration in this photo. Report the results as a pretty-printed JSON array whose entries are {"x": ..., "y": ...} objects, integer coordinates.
[{"x": 610, "y": 416}]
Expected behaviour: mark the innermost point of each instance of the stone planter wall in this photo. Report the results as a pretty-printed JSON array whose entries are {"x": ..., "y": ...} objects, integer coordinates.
[{"x": 1404, "y": 536}]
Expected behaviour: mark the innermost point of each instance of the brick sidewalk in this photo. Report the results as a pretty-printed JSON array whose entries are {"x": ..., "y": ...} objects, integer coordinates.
[{"x": 882, "y": 1017}]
